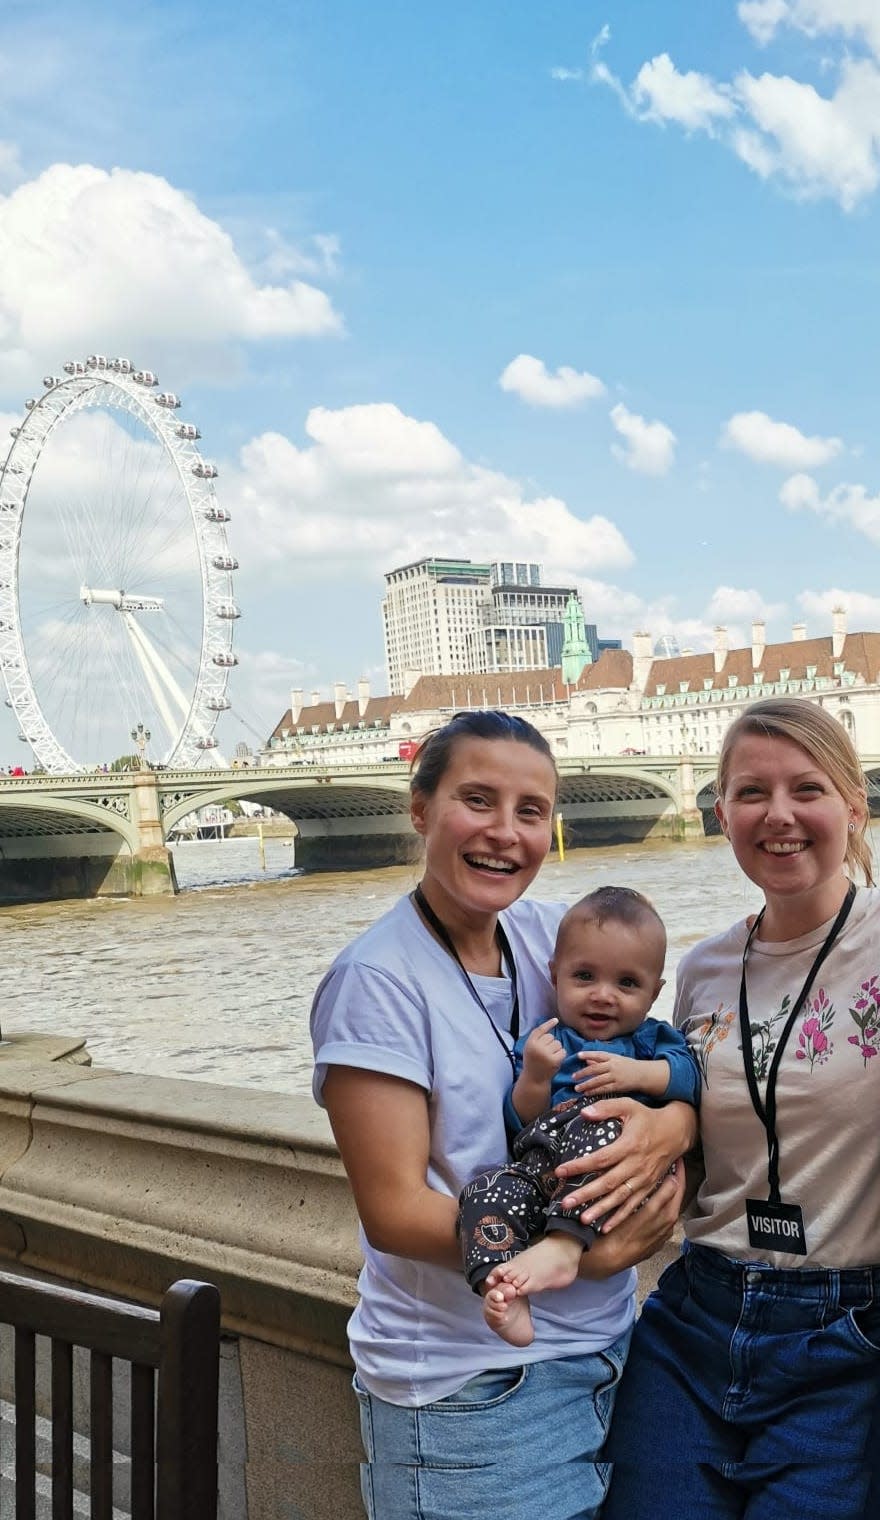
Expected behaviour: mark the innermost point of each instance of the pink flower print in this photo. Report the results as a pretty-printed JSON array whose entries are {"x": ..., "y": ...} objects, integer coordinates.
[
  {"x": 866, "y": 1013},
  {"x": 813, "y": 1044}
]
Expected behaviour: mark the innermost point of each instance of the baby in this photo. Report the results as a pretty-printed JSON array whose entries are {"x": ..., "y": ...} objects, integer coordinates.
[{"x": 607, "y": 969}]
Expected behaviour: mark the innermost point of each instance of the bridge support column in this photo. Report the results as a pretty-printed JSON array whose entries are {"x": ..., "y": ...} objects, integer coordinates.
[
  {"x": 354, "y": 844},
  {"x": 152, "y": 867},
  {"x": 689, "y": 819}
]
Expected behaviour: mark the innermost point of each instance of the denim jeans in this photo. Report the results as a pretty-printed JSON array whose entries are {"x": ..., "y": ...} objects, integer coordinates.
[
  {"x": 520, "y": 1443},
  {"x": 750, "y": 1394}
]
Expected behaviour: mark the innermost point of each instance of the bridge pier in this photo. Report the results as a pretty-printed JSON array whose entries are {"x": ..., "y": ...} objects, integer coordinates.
[
  {"x": 64, "y": 873},
  {"x": 354, "y": 844}
]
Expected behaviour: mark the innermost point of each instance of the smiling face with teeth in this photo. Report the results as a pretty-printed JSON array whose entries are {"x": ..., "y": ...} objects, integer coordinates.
[
  {"x": 486, "y": 828},
  {"x": 788, "y": 825}
]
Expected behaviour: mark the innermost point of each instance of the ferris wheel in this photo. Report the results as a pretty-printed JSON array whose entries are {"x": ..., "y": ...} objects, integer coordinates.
[{"x": 116, "y": 596}]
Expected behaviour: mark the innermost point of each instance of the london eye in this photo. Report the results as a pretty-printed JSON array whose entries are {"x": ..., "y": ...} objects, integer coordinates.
[{"x": 116, "y": 590}]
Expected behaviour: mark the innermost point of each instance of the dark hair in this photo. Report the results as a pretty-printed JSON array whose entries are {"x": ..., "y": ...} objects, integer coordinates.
[
  {"x": 828, "y": 745},
  {"x": 434, "y": 754},
  {"x": 616, "y": 905}
]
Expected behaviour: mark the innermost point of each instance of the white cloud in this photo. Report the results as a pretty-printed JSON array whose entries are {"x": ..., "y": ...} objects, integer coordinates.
[
  {"x": 375, "y": 488},
  {"x": 855, "y": 19},
  {"x": 648, "y": 447},
  {"x": 814, "y": 145},
  {"x": 848, "y": 504},
  {"x": 566, "y": 74},
  {"x": 530, "y": 379},
  {"x": 660, "y": 93},
  {"x": 10, "y": 164},
  {"x": 818, "y": 145},
  {"x": 127, "y": 255},
  {"x": 863, "y": 610},
  {"x": 619, "y": 612},
  {"x": 318, "y": 255},
  {"x": 770, "y": 442},
  {"x": 741, "y": 606},
  {"x": 265, "y": 677}
]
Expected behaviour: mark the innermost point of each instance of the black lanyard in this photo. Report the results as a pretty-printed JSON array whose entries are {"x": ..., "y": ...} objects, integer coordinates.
[
  {"x": 766, "y": 1111},
  {"x": 446, "y": 940}
]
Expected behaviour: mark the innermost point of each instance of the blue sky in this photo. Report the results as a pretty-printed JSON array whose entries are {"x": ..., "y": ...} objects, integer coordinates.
[{"x": 592, "y": 283}]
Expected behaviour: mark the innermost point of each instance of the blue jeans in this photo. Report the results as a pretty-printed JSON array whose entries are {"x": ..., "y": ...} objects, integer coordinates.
[
  {"x": 750, "y": 1394},
  {"x": 520, "y": 1443}
]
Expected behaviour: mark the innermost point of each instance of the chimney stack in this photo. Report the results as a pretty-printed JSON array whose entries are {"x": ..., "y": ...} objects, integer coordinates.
[
  {"x": 340, "y": 697},
  {"x": 759, "y": 640},
  {"x": 296, "y": 704},
  {"x": 363, "y": 695},
  {"x": 316, "y": 697},
  {"x": 719, "y": 649},
  {"x": 838, "y": 631},
  {"x": 410, "y": 677},
  {"x": 643, "y": 659},
  {"x": 798, "y": 633}
]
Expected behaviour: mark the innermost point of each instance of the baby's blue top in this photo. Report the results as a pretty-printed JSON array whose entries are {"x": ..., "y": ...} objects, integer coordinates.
[{"x": 653, "y": 1040}]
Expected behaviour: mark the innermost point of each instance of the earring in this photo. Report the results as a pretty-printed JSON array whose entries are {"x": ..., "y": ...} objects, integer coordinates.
[{"x": 852, "y": 827}]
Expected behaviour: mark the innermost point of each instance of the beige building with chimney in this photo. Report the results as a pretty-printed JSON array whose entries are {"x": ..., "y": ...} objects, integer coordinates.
[{"x": 625, "y": 703}]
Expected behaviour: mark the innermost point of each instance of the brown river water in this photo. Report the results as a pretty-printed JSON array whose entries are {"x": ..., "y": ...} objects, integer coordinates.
[{"x": 216, "y": 983}]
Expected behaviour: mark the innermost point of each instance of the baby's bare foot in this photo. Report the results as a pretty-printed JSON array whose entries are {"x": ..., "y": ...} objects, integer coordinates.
[
  {"x": 551, "y": 1262},
  {"x": 509, "y": 1315}
]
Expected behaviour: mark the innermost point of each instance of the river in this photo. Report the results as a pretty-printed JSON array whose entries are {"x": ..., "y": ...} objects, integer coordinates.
[{"x": 216, "y": 983}]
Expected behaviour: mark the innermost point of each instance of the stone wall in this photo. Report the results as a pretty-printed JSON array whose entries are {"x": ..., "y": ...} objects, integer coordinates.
[{"x": 123, "y": 1183}]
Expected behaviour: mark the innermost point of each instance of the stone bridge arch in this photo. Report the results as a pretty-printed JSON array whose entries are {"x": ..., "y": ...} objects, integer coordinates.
[
  {"x": 53, "y": 846},
  {"x": 608, "y": 804},
  {"x": 54, "y": 817}
]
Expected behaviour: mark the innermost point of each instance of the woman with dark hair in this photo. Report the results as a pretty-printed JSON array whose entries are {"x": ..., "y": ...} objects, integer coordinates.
[
  {"x": 413, "y": 1028},
  {"x": 761, "y": 1346}
]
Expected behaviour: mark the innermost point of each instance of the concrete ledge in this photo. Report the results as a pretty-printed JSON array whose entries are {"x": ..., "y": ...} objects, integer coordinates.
[{"x": 124, "y": 1183}]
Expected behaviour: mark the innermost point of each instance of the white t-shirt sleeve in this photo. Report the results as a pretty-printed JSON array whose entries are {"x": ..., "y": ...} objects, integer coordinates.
[{"x": 363, "y": 1017}]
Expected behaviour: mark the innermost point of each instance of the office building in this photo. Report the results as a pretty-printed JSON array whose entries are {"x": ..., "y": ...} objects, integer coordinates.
[{"x": 453, "y": 617}]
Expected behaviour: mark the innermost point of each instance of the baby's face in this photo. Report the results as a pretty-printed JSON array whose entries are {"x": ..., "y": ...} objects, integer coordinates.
[{"x": 607, "y": 975}]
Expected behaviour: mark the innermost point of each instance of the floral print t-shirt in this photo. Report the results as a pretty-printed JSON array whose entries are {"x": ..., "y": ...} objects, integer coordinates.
[{"x": 827, "y": 1093}]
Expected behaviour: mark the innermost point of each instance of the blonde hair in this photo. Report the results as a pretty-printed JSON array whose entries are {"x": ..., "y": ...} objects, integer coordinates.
[{"x": 830, "y": 748}]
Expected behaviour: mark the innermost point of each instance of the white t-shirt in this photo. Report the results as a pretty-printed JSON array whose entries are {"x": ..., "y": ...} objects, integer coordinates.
[
  {"x": 396, "y": 1002},
  {"x": 827, "y": 1092}
]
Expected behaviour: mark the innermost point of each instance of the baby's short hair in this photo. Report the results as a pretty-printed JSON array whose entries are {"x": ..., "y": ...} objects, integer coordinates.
[{"x": 621, "y": 905}]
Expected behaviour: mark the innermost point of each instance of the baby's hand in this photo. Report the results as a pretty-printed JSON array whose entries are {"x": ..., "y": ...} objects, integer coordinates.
[
  {"x": 608, "y": 1073},
  {"x": 542, "y": 1053}
]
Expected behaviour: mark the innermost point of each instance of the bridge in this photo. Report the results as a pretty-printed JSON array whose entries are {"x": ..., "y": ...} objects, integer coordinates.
[{"x": 94, "y": 834}]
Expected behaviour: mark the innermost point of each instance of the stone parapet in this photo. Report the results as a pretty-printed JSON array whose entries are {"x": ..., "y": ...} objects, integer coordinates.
[
  {"x": 124, "y": 1183},
  {"x": 112, "y": 1178}
]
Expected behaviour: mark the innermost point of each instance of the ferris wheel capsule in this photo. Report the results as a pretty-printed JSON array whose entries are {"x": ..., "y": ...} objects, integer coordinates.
[
  {"x": 218, "y": 704},
  {"x": 167, "y": 398},
  {"x": 205, "y": 471},
  {"x": 224, "y": 658},
  {"x": 14, "y": 432},
  {"x": 224, "y": 562},
  {"x": 187, "y": 430},
  {"x": 227, "y": 610},
  {"x": 216, "y": 514},
  {"x": 208, "y": 742}
]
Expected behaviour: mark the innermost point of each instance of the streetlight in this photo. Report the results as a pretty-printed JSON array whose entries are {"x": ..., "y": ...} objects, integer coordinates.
[{"x": 141, "y": 737}]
